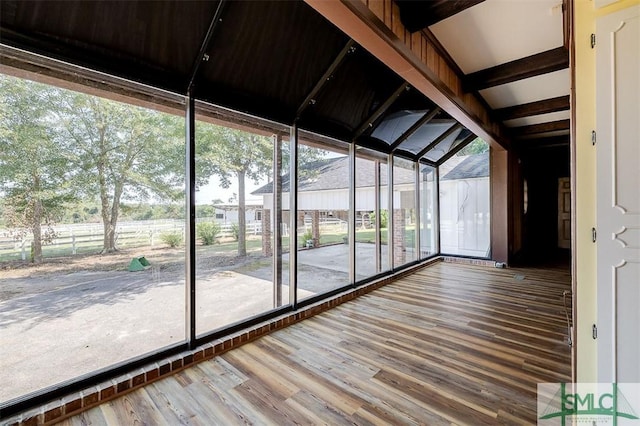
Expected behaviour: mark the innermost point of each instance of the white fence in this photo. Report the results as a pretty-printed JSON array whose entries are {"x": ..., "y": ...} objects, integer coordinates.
[{"x": 73, "y": 239}]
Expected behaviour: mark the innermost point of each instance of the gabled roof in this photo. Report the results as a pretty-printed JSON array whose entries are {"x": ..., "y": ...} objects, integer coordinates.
[
  {"x": 474, "y": 166},
  {"x": 332, "y": 173}
]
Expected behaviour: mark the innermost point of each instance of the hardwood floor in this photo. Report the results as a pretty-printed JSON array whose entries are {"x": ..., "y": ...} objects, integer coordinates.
[{"x": 449, "y": 344}]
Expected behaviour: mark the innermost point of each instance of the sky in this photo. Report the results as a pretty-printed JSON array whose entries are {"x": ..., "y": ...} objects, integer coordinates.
[{"x": 213, "y": 190}]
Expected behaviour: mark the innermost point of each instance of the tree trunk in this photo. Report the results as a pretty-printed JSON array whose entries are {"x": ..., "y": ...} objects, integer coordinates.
[
  {"x": 108, "y": 243},
  {"x": 109, "y": 233},
  {"x": 108, "y": 224},
  {"x": 109, "y": 210},
  {"x": 242, "y": 223},
  {"x": 36, "y": 255},
  {"x": 112, "y": 220}
]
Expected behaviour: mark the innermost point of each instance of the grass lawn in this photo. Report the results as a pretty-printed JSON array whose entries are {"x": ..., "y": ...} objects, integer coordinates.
[{"x": 225, "y": 246}]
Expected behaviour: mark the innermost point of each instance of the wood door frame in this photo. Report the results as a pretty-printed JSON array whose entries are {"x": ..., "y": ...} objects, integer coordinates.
[
  {"x": 570, "y": 11},
  {"x": 560, "y": 209}
]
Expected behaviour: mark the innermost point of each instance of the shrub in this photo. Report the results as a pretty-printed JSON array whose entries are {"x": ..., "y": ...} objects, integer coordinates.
[
  {"x": 235, "y": 230},
  {"x": 172, "y": 239},
  {"x": 384, "y": 218},
  {"x": 308, "y": 235},
  {"x": 208, "y": 233}
]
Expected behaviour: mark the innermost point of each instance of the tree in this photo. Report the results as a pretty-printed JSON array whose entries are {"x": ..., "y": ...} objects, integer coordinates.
[
  {"x": 477, "y": 146},
  {"x": 124, "y": 152},
  {"x": 34, "y": 175},
  {"x": 234, "y": 154}
]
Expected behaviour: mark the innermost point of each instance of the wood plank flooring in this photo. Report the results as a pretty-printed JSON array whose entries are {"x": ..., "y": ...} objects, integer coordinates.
[{"x": 449, "y": 344}]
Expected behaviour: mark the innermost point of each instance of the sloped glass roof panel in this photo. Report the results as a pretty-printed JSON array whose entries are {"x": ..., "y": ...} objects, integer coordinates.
[
  {"x": 440, "y": 150},
  {"x": 394, "y": 125},
  {"x": 425, "y": 135}
]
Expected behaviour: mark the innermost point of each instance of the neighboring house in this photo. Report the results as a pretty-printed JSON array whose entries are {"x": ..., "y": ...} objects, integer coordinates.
[
  {"x": 323, "y": 186},
  {"x": 228, "y": 213},
  {"x": 464, "y": 192}
]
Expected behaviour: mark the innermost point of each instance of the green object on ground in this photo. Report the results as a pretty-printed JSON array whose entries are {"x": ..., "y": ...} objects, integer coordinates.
[{"x": 138, "y": 264}]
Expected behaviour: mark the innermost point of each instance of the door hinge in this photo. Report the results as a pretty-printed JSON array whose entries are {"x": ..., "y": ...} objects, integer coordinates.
[
  {"x": 593, "y": 235},
  {"x": 594, "y": 332},
  {"x": 593, "y": 41},
  {"x": 593, "y": 137}
]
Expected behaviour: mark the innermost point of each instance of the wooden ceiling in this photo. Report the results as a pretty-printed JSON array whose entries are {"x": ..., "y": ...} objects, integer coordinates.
[
  {"x": 474, "y": 33},
  {"x": 279, "y": 61}
]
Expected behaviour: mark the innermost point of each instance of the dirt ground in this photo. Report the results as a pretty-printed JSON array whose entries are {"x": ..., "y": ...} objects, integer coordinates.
[
  {"x": 71, "y": 316},
  {"x": 44, "y": 275}
]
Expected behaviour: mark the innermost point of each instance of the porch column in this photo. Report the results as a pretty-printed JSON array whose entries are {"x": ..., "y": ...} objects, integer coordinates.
[
  {"x": 267, "y": 249},
  {"x": 399, "y": 241},
  {"x": 315, "y": 227}
]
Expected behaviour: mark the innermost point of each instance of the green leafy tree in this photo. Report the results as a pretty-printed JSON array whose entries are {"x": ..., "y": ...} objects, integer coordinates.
[
  {"x": 205, "y": 211},
  {"x": 235, "y": 154},
  {"x": 239, "y": 155},
  {"x": 34, "y": 173},
  {"x": 477, "y": 146},
  {"x": 124, "y": 152}
]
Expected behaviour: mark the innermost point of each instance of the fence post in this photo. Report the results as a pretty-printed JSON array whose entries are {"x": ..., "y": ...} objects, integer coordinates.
[
  {"x": 151, "y": 235},
  {"x": 23, "y": 252},
  {"x": 74, "y": 249}
]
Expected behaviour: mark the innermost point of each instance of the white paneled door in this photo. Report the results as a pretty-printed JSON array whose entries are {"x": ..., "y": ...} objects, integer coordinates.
[{"x": 618, "y": 214}]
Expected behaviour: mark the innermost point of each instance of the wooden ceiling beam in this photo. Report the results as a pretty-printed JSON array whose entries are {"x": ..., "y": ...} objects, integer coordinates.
[
  {"x": 533, "y": 129},
  {"x": 380, "y": 34},
  {"x": 416, "y": 15},
  {"x": 531, "y": 66},
  {"x": 204, "y": 47},
  {"x": 561, "y": 103},
  {"x": 549, "y": 142},
  {"x": 350, "y": 47}
]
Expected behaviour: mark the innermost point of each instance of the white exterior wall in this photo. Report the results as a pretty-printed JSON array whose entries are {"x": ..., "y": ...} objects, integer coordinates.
[
  {"x": 231, "y": 216},
  {"x": 337, "y": 199},
  {"x": 464, "y": 217}
]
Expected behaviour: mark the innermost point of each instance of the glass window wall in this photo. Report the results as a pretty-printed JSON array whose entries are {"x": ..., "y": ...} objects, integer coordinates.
[
  {"x": 465, "y": 202},
  {"x": 91, "y": 234},
  {"x": 235, "y": 220},
  {"x": 382, "y": 220},
  {"x": 92, "y": 226},
  {"x": 371, "y": 246},
  {"x": 322, "y": 218},
  {"x": 428, "y": 212},
  {"x": 404, "y": 211}
]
